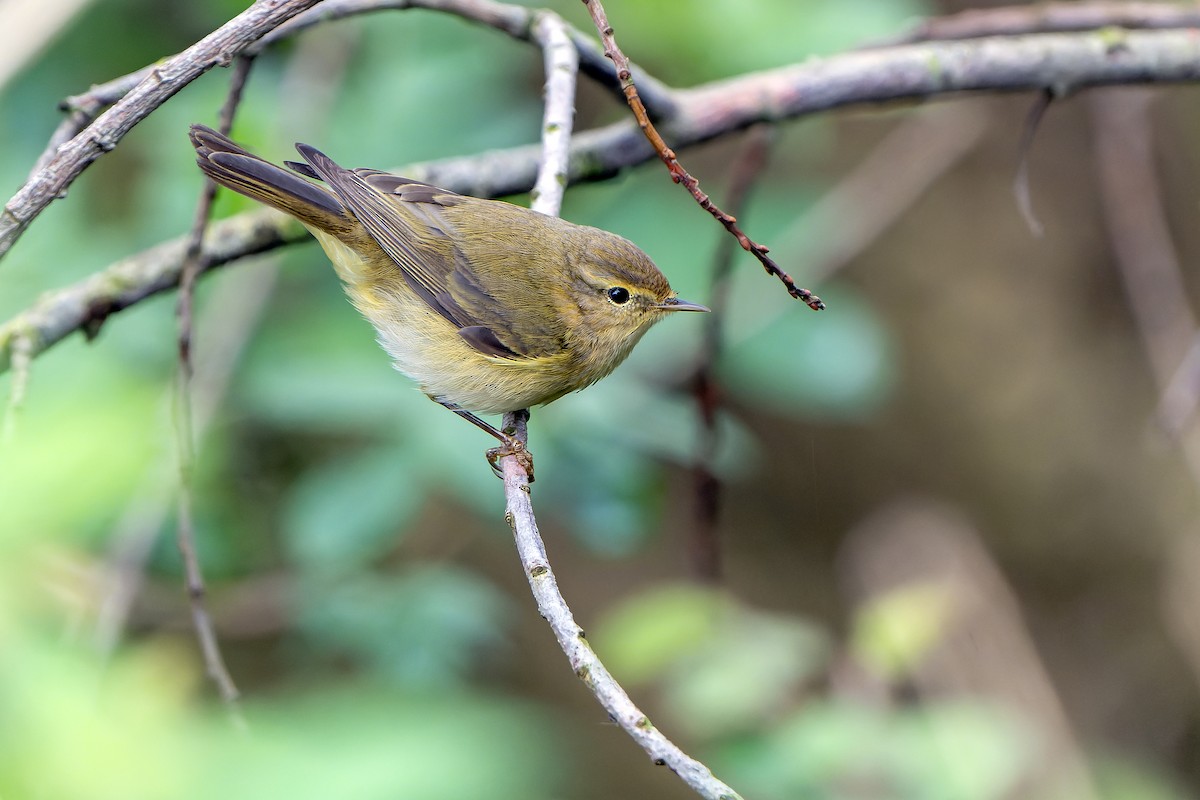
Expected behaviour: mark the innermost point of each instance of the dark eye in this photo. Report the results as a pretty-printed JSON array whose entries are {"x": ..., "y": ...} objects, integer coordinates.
[{"x": 619, "y": 295}]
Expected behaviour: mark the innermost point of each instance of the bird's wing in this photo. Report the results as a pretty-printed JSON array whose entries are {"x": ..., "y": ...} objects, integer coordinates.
[{"x": 406, "y": 219}]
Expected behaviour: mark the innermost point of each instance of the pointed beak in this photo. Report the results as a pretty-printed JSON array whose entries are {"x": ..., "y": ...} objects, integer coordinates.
[{"x": 675, "y": 304}]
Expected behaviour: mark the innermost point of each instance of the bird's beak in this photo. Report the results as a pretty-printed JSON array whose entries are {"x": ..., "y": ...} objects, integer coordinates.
[{"x": 675, "y": 304}]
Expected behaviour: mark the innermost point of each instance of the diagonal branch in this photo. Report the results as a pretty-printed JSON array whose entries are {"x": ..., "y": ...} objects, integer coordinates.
[
  {"x": 158, "y": 86},
  {"x": 678, "y": 173},
  {"x": 1048, "y": 18},
  {"x": 515, "y": 21}
]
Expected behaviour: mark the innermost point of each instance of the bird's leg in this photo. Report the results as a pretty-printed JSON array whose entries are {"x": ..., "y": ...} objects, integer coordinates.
[{"x": 509, "y": 445}]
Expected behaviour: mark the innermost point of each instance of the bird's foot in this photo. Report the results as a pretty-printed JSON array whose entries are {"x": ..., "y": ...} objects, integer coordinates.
[{"x": 512, "y": 447}]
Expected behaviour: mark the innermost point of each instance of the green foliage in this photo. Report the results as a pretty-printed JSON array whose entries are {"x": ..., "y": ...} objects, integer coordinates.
[
  {"x": 423, "y": 626},
  {"x": 839, "y": 750},
  {"x": 127, "y": 730},
  {"x": 895, "y": 632}
]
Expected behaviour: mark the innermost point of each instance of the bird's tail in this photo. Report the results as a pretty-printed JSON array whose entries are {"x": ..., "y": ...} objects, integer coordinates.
[{"x": 232, "y": 166}]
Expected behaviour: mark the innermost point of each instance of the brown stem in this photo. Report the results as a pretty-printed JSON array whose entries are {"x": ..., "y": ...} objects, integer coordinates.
[{"x": 678, "y": 173}]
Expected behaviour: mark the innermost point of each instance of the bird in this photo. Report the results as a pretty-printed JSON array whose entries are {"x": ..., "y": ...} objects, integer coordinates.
[{"x": 488, "y": 306}]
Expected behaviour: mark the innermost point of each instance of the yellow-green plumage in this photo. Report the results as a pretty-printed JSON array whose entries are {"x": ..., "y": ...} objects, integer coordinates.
[{"x": 488, "y": 306}]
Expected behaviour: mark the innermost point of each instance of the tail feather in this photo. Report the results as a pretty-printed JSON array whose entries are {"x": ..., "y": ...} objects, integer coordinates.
[{"x": 231, "y": 166}]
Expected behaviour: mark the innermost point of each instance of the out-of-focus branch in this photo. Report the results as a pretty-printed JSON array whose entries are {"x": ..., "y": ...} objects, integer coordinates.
[
  {"x": 883, "y": 185},
  {"x": 71, "y": 158},
  {"x": 1064, "y": 61},
  {"x": 210, "y": 646},
  {"x": 85, "y": 305},
  {"x": 1141, "y": 242},
  {"x": 1048, "y": 18},
  {"x": 226, "y": 324},
  {"x": 745, "y": 171},
  {"x": 980, "y": 647}
]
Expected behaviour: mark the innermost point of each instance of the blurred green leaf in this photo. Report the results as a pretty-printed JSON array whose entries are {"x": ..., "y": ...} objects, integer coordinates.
[
  {"x": 813, "y": 754},
  {"x": 836, "y": 363},
  {"x": 70, "y": 467},
  {"x": 894, "y": 633},
  {"x": 843, "y": 750},
  {"x": 724, "y": 667},
  {"x": 124, "y": 733},
  {"x": 369, "y": 742},
  {"x": 425, "y": 626},
  {"x": 957, "y": 751},
  {"x": 344, "y": 514},
  {"x": 1118, "y": 777},
  {"x": 644, "y": 634}
]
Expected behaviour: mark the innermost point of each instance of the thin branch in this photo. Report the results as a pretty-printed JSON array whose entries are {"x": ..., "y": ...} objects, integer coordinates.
[
  {"x": 234, "y": 310},
  {"x": 73, "y": 157},
  {"x": 1048, "y": 18},
  {"x": 936, "y": 69},
  {"x": 1021, "y": 180},
  {"x": 21, "y": 353},
  {"x": 192, "y": 254},
  {"x": 210, "y": 648},
  {"x": 515, "y": 21},
  {"x": 519, "y": 513},
  {"x": 678, "y": 173},
  {"x": 558, "y": 120},
  {"x": 84, "y": 306}
]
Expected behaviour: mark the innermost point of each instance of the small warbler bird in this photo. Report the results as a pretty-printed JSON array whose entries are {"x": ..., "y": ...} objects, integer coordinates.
[{"x": 488, "y": 306}]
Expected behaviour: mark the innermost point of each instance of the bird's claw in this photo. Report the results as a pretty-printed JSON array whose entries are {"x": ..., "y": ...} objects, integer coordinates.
[{"x": 515, "y": 448}]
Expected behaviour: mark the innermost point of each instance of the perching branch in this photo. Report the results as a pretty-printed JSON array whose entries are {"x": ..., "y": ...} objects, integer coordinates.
[
  {"x": 1064, "y": 62},
  {"x": 561, "y": 63}
]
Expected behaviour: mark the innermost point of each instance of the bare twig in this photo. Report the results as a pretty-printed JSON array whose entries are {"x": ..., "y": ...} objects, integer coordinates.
[
  {"x": 85, "y": 305},
  {"x": 73, "y": 157},
  {"x": 21, "y": 351},
  {"x": 214, "y": 661},
  {"x": 192, "y": 254},
  {"x": 1021, "y": 180},
  {"x": 678, "y": 173},
  {"x": 558, "y": 119}
]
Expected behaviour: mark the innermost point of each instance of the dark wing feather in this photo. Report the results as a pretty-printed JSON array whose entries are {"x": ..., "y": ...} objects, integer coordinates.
[{"x": 390, "y": 207}]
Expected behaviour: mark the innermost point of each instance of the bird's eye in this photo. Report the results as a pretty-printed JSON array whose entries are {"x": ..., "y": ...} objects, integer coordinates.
[{"x": 619, "y": 295}]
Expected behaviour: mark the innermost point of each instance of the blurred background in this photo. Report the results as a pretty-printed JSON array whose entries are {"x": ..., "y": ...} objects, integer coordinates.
[{"x": 955, "y": 553}]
